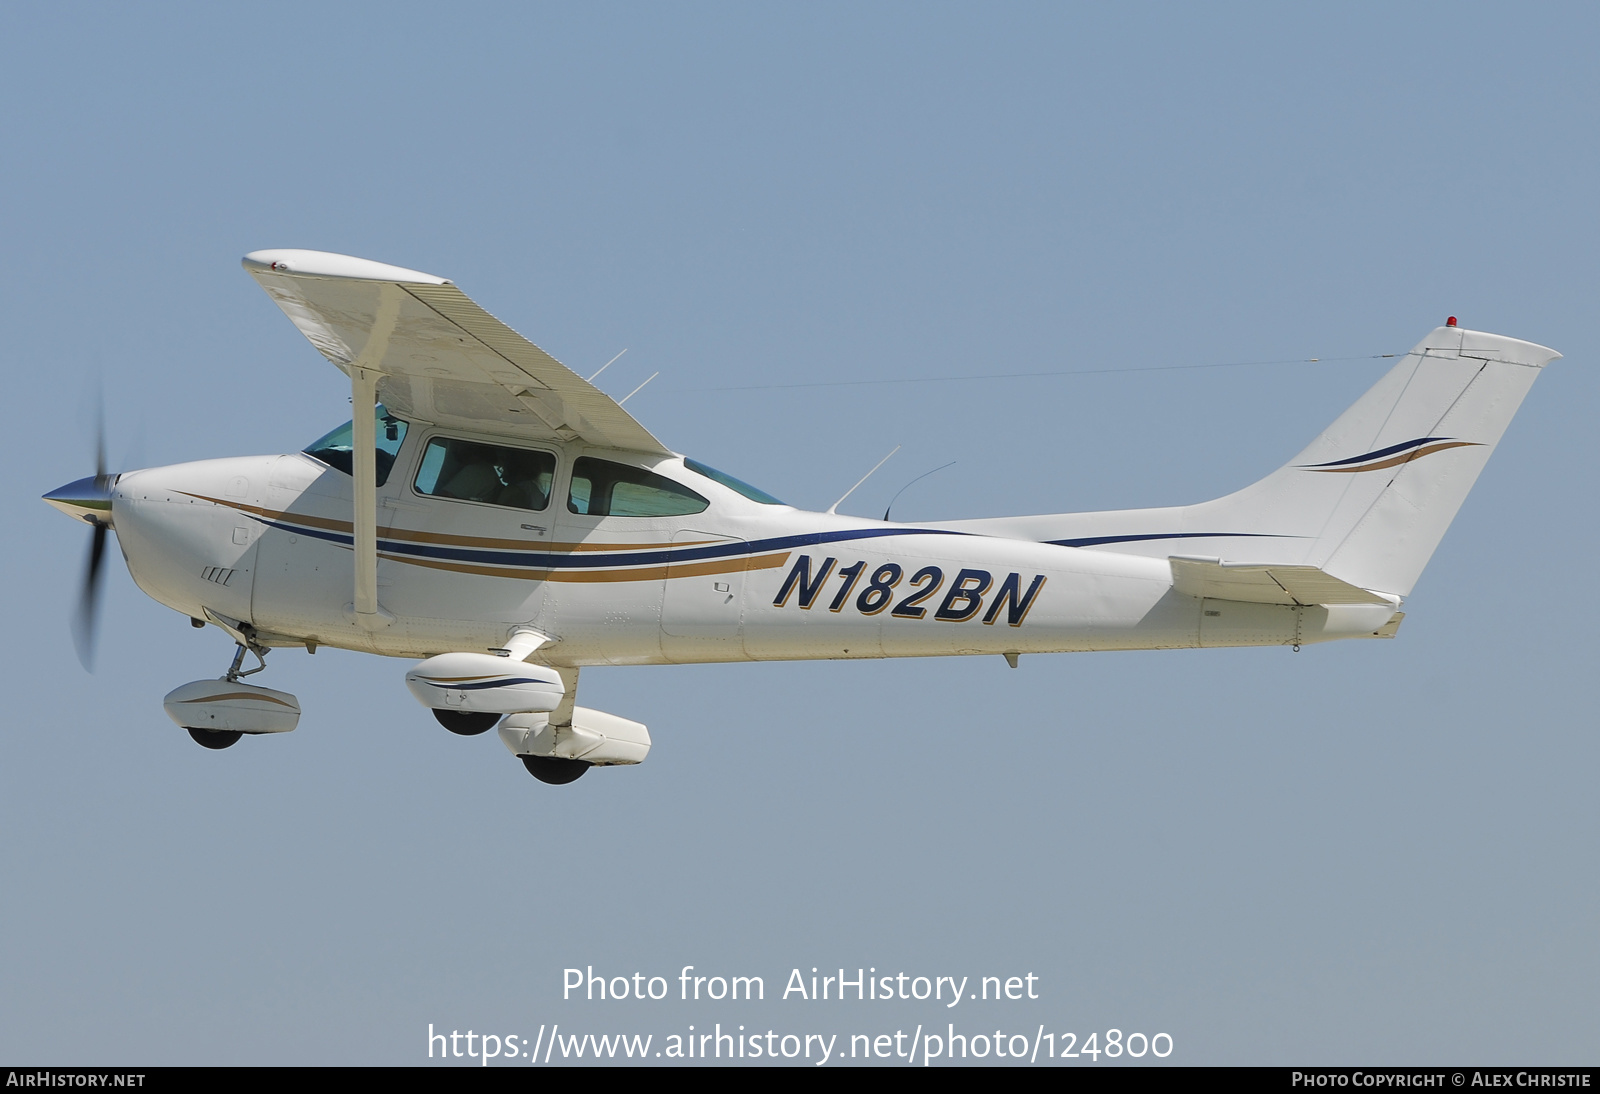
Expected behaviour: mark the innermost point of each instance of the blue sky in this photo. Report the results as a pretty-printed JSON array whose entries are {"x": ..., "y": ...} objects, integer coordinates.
[{"x": 1363, "y": 853}]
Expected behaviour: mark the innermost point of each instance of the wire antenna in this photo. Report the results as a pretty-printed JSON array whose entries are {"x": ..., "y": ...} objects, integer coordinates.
[
  {"x": 910, "y": 484},
  {"x": 1037, "y": 375}
]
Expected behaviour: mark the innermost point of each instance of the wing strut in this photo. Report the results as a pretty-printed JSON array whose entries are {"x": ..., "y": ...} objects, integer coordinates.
[
  {"x": 364, "y": 379},
  {"x": 364, "y": 470}
]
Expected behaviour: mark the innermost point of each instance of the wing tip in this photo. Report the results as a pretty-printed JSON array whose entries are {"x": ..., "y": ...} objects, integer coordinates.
[{"x": 329, "y": 266}]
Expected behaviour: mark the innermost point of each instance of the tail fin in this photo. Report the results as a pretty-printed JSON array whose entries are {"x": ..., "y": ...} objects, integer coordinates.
[
  {"x": 1369, "y": 499},
  {"x": 1381, "y": 484}
]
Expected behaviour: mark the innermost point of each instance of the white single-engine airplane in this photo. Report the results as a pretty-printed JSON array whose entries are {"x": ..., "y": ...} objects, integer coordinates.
[{"x": 494, "y": 514}]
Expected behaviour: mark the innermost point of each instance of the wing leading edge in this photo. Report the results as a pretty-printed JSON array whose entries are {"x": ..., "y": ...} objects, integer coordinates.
[{"x": 442, "y": 358}]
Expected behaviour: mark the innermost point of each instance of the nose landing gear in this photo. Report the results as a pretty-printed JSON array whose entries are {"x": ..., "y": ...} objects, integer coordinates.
[
  {"x": 215, "y": 738},
  {"x": 216, "y": 713}
]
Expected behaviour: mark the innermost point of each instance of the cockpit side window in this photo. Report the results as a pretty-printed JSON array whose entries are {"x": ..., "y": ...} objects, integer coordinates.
[
  {"x": 518, "y": 478},
  {"x": 337, "y": 450},
  {"x": 601, "y": 488}
]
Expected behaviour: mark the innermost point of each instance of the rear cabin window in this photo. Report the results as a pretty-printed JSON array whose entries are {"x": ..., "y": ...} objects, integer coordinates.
[
  {"x": 518, "y": 478},
  {"x": 601, "y": 488}
]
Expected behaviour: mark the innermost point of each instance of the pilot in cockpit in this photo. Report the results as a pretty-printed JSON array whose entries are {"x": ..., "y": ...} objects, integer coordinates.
[{"x": 497, "y": 475}]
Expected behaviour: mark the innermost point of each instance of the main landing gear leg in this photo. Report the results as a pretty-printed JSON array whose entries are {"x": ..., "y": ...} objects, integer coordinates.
[{"x": 552, "y": 769}]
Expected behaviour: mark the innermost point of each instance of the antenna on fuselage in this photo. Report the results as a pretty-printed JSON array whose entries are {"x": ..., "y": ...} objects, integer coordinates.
[
  {"x": 864, "y": 478},
  {"x": 910, "y": 484},
  {"x": 638, "y": 389},
  {"x": 605, "y": 366}
]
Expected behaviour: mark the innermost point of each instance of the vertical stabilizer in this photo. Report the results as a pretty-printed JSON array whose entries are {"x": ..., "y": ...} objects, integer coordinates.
[
  {"x": 1368, "y": 500},
  {"x": 1379, "y": 487}
]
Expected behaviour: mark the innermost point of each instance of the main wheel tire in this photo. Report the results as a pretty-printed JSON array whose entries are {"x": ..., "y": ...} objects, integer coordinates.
[
  {"x": 548, "y": 769},
  {"x": 468, "y": 723},
  {"x": 215, "y": 738}
]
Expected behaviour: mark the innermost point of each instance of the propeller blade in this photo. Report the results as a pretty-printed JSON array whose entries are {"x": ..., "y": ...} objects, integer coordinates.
[
  {"x": 86, "y": 622},
  {"x": 89, "y": 500},
  {"x": 100, "y": 443}
]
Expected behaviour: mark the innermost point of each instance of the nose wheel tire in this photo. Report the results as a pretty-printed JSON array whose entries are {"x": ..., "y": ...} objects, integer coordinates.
[
  {"x": 548, "y": 769},
  {"x": 215, "y": 738},
  {"x": 468, "y": 723}
]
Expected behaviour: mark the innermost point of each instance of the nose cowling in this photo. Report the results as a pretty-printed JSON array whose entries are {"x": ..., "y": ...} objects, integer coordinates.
[{"x": 88, "y": 499}]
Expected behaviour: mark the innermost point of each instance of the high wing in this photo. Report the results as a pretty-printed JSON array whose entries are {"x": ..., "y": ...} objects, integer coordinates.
[{"x": 441, "y": 358}]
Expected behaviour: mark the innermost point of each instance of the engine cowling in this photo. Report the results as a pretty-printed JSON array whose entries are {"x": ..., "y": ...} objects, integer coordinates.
[
  {"x": 224, "y": 706},
  {"x": 485, "y": 684},
  {"x": 594, "y": 737}
]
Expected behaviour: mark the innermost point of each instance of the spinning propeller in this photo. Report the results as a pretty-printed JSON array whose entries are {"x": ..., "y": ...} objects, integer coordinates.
[{"x": 89, "y": 499}]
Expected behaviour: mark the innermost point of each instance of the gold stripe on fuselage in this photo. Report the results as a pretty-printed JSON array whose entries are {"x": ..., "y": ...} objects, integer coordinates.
[
  {"x": 329, "y": 524},
  {"x": 642, "y": 573}
]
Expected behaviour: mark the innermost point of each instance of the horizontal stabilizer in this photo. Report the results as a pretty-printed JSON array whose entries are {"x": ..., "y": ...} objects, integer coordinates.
[{"x": 1254, "y": 583}]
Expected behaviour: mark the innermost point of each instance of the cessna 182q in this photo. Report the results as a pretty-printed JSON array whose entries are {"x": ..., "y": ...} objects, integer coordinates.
[{"x": 492, "y": 513}]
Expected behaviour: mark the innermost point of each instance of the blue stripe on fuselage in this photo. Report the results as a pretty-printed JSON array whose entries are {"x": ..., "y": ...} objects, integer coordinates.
[
  {"x": 595, "y": 560},
  {"x": 599, "y": 560},
  {"x": 1096, "y": 541}
]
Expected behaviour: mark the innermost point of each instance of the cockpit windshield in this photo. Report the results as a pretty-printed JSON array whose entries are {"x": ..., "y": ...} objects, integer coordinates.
[{"x": 336, "y": 449}]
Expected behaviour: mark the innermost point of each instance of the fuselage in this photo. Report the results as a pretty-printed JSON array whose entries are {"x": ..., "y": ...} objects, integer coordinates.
[
  {"x": 493, "y": 514},
  {"x": 266, "y": 541}
]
